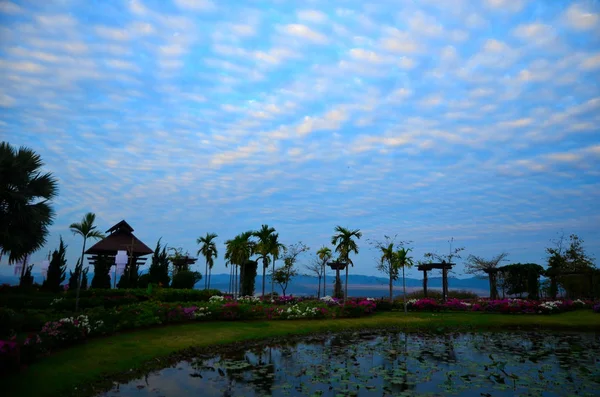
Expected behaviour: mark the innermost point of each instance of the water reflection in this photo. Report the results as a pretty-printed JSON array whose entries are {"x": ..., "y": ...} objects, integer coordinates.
[{"x": 389, "y": 364}]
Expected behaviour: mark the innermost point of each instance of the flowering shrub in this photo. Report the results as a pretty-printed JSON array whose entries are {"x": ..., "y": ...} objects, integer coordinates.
[
  {"x": 425, "y": 304},
  {"x": 596, "y": 308},
  {"x": 305, "y": 310},
  {"x": 67, "y": 330},
  {"x": 457, "y": 304},
  {"x": 216, "y": 299},
  {"x": 9, "y": 355},
  {"x": 505, "y": 306},
  {"x": 358, "y": 307},
  {"x": 252, "y": 300}
]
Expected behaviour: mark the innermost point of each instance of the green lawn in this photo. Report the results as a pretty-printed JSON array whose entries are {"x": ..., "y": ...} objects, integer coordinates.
[{"x": 79, "y": 366}]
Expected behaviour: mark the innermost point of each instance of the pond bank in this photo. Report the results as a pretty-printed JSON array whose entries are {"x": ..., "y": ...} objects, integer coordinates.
[{"x": 83, "y": 365}]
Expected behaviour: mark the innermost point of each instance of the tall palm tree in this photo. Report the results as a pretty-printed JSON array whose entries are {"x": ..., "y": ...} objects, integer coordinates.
[
  {"x": 208, "y": 249},
  {"x": 85, "y": 229},
  {"x": 345, "y": 244},
  {"x": 263, "y": 249},
  {"x": 389, "y": 264},
  {"x": 238, "y": 251},
  {"x": 25, "y": 202},
  {"x": 403, "y": 261},
  {"x": 324, "y": 254},
  {"x": 275, "y": 249}
]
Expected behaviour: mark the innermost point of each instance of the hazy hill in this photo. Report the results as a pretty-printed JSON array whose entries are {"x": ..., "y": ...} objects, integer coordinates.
[{"x": 359, "y": 285}]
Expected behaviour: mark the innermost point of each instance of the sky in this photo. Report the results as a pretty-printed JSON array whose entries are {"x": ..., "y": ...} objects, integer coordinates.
[{"x": 429, "y": 120}]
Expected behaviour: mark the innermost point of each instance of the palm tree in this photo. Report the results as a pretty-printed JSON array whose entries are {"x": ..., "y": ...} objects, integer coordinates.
[
  {"x": 209, "y": 250},
  {"x": 238, "y": 251},
  {"x": 263, "y": 249},
  {"x": 85, "y": 229},
  {"x": 324, "y": 254},
  {"x": 389, "y": 264},
  {"x": 403, "y": 261},
  {"x": 345, "y": 244},
  {"x": 275, "y": 249},
  {"x": 25, "y": 195}
]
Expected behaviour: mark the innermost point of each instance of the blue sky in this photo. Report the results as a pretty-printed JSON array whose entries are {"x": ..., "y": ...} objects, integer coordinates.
[{"x": 429, "y": 119}]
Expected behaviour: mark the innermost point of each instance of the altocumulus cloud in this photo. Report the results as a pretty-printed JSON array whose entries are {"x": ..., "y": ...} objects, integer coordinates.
[{"x": 432, "y": 119}]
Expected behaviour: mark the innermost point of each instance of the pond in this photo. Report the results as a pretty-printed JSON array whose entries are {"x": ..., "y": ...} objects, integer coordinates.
[{"x": 390, "y": 364}]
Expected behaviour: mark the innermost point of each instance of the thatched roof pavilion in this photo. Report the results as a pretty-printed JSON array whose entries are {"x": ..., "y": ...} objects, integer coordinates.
[{"x": 120, "y": 238}]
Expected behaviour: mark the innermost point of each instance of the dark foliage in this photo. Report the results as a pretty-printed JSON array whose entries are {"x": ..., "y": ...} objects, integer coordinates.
[
  {"x": 101, "y": 272},
  {"x": 185, "y": 279},
  {"x": 57, "y": 269},
  {"x": 159, "y": 267},
  {"x": 248, "y": 277}
]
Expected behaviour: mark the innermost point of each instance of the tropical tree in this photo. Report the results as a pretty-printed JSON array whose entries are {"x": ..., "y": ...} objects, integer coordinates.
[
  {"x": 388, "y": 264},
  {"x": 25, "y": 202},
  {"x": 403, "y": 261},
  {"x": 275, "y": 249},
  {"x": 477, "y": 264},
  {"x": 85, "y": 229},
  {"x": 208, "y": 249},
  {"x": 57, "y": 268},
  {"x": 264, "y": 249},
  {"x": 238, "y": 251},
  {"x": 345, "y": 244},
  {"x": 324, "y": 254}
]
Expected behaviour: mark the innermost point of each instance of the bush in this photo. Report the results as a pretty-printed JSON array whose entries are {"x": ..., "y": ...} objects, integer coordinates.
[
  {"x": 435, "y": 294},
  {"x": 185, "y": 295},
  {"x": 30, "y": 300},
  {"x": 596, "y": 308},
  {"x": 185, "y": 279},
  {"x": 7, "y": 322},
  {"x": 144, "y": 280}
]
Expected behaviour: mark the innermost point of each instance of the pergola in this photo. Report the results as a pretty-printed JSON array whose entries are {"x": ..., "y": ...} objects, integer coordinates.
[
  {"x": 444, "y": 267},
  {"x": 120, "y": 238}
]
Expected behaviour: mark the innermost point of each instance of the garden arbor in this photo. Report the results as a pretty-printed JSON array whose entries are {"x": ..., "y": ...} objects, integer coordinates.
[{"x": 444, "y": 267}]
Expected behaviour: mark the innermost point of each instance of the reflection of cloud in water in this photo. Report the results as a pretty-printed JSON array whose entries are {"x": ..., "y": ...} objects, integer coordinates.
[{"x": 389, "y": 363}]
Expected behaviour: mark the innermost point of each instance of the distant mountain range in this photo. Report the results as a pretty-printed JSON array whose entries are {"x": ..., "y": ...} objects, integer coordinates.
[{"x": 358, "y": 285}]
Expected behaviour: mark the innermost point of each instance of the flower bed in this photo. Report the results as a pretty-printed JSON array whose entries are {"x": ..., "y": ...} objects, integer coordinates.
[
  {"x": 104, "y": 321},
  {"x": 506, "y": 306}
]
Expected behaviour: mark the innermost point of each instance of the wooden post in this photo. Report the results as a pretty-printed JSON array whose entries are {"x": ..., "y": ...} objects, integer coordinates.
[
  {"x": 444, "y": 284},
  {"x": 425, "y": 283}
]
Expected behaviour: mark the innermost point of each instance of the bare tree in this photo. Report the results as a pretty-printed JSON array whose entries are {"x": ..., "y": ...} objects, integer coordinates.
[
  {"x": 285, "y": 273},
  {"x": 476, "y": 264},
  {"x": 316, "y": 268}
]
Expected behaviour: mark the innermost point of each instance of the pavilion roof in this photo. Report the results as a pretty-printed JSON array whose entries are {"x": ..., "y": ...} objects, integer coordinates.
[{"x": 120, "y": 238}]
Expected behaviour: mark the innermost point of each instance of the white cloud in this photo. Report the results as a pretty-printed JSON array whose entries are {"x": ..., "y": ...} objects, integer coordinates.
[
  {"x": 365, "y": 55},
  {"x": 6, "y": 7},
  {"x": 591, "y": 62},
  {"x": 399, "y": 42},
  {"x": 578, "y": 17},
  {"x": 475, "y": 21},
  {"x": 505, "y": 5},
  {"x": 314, "y": 16},
  {"x": 6, "y": 100},
  {"x": 303, "y": 31},
  {"x": 195, "y": 5}
]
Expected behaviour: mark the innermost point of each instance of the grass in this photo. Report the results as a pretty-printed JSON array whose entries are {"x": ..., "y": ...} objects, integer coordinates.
[{"x": 99, "y": 359}]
